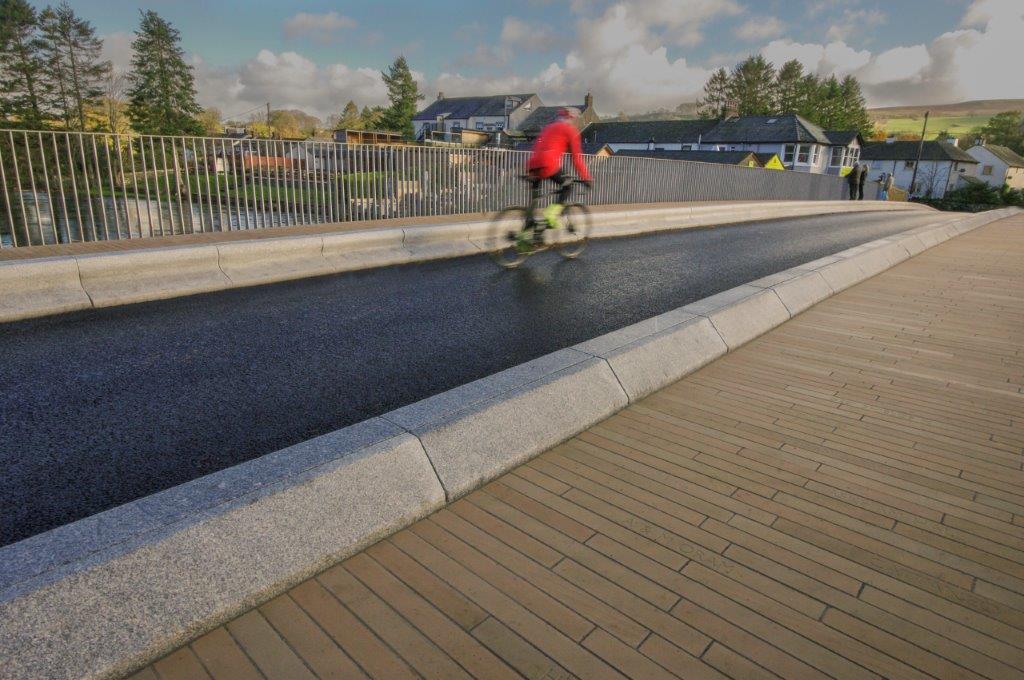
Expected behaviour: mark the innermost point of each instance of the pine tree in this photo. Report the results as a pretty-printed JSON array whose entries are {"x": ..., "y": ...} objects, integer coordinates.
[
  {"x": 789, "y": 93},
  {"x": 403, "y": 93},
  {"x": 76, "y": 72},
  {"x": 370, "y": 118},
  {"x": 23, "y": 85},
  {"x": 349, "y": 118},
  {"x": 752, "y": 86},
  {"x": 809, "y": 96},
  {"x": 163, "y": 93},
  {"x": 716, "y": 95},
  {"x": 831, "y": 111},
  {"x": 855, "y": 112}
]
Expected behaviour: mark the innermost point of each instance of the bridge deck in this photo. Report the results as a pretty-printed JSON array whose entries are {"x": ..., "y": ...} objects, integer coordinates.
[
  {"x": 842, "y": 497},
  {"x": 139, "y": 243}
]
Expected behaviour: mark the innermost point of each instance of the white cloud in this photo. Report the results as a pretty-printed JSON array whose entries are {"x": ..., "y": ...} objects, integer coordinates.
[
  {"x": 898, "y": 63},
  {"x": 760, "y": 28},
  {"x": 680, "y": 21},
  {"x": 117, "y": 48},
  {"x": 823, "y": 60},
  {"x": 627, "y": 54},
  {"x": 978, "y": 61},
  {"x": 287, "y": 80},
  {"x": 854, "y": 22},
  {"x": 517, "y": 34},
  {"x": 319, "y": 27}
]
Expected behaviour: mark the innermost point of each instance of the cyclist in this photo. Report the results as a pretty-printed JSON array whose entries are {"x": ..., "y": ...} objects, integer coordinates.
[{"x": 556, "y": 140}]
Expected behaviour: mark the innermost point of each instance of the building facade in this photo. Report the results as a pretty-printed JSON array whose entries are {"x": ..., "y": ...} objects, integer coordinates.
[
  {"x": 799, "y": 144},
  {"x": 494, "y": 113},
  {"x": 943, "y": 165},
  {"x": 998, "y": 165}
]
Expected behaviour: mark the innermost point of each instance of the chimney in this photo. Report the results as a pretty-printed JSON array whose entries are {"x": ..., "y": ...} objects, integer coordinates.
[
  {"x": 588, "y": 101},
  {"x": 730, "y": 110},
  {"x": 953, "y": 140},
  {"x": 440, "y": 96}
]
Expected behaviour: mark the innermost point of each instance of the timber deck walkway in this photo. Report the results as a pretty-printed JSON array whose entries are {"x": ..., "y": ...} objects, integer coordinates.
[{"x": 841, "y": 497}]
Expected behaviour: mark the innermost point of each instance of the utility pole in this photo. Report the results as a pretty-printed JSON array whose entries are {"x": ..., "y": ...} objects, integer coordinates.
[
  {"x": 270, "y": 129},
  {"x": 920, "y": 150}
]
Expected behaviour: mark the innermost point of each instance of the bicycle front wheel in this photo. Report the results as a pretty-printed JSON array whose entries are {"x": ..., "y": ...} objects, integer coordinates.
[
  {"x": 501, "y": 238},
  {"x": 572, "y": 237}
]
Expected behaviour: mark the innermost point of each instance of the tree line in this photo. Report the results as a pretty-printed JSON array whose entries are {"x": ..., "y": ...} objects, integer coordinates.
[
  {"x": 755, "y": 88},
  {"x": 52, "y": 75}
]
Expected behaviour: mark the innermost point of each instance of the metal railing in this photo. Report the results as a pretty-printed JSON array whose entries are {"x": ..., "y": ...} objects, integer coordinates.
[{"x": 65, "y": 187}]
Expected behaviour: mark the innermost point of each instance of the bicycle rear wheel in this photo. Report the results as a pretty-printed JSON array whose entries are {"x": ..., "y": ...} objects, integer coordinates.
[
  {"x": 572, "y": 237},
  {"x": 501, "y": 238}
]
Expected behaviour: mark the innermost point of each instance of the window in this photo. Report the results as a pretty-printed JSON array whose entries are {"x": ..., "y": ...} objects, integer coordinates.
[
  {"x": 803, "y": 154},
  {"x": 787, "y": 153},
  {"x": 908, "y": 165},
  {"x": 686, "y": 147},
  {"x": 837, "y": 157},
  {"x": 479, "y": 126},
  {"x": 853, "y": 155},
  {"x": 986, "y": 169},
  {"x": 815, "y": 154}
]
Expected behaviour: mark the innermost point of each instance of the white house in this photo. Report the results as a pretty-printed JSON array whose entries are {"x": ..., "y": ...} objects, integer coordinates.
[
  {"x": 648, "y": 135},
  {"x": 800, "y": 144},
  {"x": 492, "y": 113},
  {"x": 998, "y": 165},
  {"x": 942, "y": 166}
]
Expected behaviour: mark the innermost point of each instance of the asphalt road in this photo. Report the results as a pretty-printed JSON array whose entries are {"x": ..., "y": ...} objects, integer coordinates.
[{"x": 101, "y": 407}]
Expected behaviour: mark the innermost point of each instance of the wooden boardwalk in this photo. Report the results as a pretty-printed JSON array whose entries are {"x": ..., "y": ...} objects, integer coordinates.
[{"x": 843, "y": 497}]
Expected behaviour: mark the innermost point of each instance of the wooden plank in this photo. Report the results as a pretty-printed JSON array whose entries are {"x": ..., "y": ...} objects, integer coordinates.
[{"x": 323, "y": 656}]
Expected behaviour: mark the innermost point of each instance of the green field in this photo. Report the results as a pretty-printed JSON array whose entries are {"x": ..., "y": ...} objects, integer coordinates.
[
  {"x": 958, "y": 126},
  {"x": 956, "y": 119}
]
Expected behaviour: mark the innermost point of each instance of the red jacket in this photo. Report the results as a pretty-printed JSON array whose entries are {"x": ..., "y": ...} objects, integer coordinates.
[{"x": 556, "y": 140}]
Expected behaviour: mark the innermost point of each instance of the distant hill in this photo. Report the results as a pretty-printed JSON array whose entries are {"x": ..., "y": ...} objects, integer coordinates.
[
  {"x": 981, "y": 107},
  {"x": 685, "y": 111},
  {"x": 956, "y": 119}
]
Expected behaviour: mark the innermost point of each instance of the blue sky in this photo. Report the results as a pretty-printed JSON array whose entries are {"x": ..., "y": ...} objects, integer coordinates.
[{"x": 634, "y": 54}]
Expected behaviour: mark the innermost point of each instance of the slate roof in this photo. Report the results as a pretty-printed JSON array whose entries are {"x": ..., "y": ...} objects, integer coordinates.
[
  {"x": 843, "y": 137},
  {"x": 589, "y": 148},
  {"x": 642, "y": 131},
  {"x": 789, "y": 128},
  {"x": 765, "y": 158},
  {"x": 935, "y": 150},
  {"x": 467, "y": 107},
  {"x": 723, "y": 157},
  {"x": 542, "y": 116},
  {"x": 1006, "y": 155}
]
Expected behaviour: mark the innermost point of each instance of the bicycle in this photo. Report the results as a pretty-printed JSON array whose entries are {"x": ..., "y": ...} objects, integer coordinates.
[{"x": 568, "y": 239}]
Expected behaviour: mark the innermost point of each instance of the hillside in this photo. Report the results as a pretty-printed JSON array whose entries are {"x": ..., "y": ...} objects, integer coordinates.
[
  {"x": 983, "y": 107},
  {"x": 956, "y": 119}
]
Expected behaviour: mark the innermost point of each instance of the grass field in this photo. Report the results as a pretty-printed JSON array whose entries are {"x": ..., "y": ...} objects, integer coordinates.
[
  {"x": 956, "y": 119},
  {"x": 954, "y": 125}
]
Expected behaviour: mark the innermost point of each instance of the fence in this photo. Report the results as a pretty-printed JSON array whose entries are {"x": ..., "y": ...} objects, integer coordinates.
[{"x": 64, "y": 187}]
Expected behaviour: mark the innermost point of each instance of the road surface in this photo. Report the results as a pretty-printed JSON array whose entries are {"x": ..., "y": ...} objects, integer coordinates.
[{"x": 101, "y": 407}]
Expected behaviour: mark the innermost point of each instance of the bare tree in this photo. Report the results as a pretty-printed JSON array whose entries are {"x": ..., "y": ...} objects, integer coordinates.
[{"x": 115, "y": 100}]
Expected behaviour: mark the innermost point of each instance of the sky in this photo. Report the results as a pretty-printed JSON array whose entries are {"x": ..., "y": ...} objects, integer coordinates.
[{"x": 633, "y": 55}]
